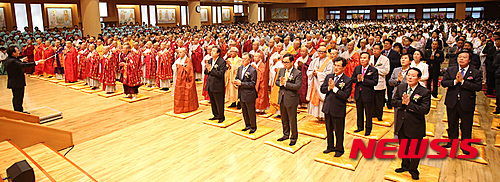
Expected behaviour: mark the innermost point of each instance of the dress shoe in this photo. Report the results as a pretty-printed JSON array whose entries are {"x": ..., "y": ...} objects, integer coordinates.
[
  {"x": 496, "y": 112},
  {"x": 358, "y": 130},
  {"x": 338, "y": 154},
  {"x": 414, "y": 175},
  {"x": 448, "y": 145},
  {"x": 400, "y": 170},
  {"x": 26, "y": 112},
  {"x": 253, "y": 130},
  {"x": 238, "y": 106},
  {"x": 293, "y": 142},
  {"x": 282, "y": 139},
  {"x": 246, "y": 128},
  {"x": 328, "y": 151},
  {"x": 232, "y": 104},
  {"x": 164, "y": 89},
  {"x": 214, "y": 118},
  {"x": 368, "y": 133},
  {"x": 221, "y": 120},
  {"x": 389, "y": 107},
  {"x": 277, "y": 117},
  {"x": 379, "y": 118},
  {"x": 498, "y": 127}
]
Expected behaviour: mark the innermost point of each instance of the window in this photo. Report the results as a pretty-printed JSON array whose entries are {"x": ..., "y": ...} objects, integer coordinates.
[
  {"x": 438, "y": 13},
  {"x": 396, "y": 13},
  {"x": 36, "y": 16},
  {"x": 238, "y": 8},
  {"x": 474, "y": 12},
  {"x": 357, "y": 14},
  {"x": 144, "y": 14},
  {"x": 152, "y": 15},
  {"x": 103, "y": 9},
  {"x": 262, "y": 12},
  {"x": 184, "y": 17},
  {"x": 214, "y": 14},
  {"x": 333, "y": 14},
  {"x": 21, "y": 17},
  {"x": 219, "y": 14}
]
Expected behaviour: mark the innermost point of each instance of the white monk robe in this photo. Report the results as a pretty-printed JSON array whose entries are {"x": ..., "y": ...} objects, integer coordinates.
[
  {"x": 180, "y": 61},
  {"x": 323, "y": 67}
]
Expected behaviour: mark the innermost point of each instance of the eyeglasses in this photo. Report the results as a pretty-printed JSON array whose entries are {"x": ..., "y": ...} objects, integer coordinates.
[
  {"x": 322, "y": 51},
  {"x": 286, "y": 62}
]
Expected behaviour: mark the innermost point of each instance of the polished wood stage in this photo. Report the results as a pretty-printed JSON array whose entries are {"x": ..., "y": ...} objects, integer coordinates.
[{"x": 121, "y": 141}]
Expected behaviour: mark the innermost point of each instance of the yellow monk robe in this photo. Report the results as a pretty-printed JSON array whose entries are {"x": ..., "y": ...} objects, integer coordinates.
[
  {"x": 323, "y": 67},
  {"x": 273, "y": 101},
  {"x": 231, "y": 90}
]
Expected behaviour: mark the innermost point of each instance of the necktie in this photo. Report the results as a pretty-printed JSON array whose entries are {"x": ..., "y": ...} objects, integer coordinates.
[
  {"x": 462, "y": 72},
  {"x": 286, "y": 74},
  {"x": 364, "y": 70},
  {"x": 386, "y": 53},
  {"x": 243, "y": 72},
  {"x": 410, "y": 91},
  {"x": 336, "y": 79}
]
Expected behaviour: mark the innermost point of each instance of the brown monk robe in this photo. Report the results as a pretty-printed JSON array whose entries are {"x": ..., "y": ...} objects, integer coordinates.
[{"x": 185, "y": 96}]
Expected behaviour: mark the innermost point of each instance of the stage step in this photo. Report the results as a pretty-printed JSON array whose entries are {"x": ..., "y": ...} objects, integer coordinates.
[
  {"x": 10, "y": 154},
  {"x": 58, "y": 166}
]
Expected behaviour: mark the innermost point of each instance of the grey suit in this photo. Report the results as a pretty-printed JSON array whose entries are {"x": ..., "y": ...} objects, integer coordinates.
[
  {"x": 394, "y": 82},
  {"x": 288, "y": 100}
]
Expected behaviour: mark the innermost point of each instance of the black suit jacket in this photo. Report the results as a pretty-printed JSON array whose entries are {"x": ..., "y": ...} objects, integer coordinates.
[
  {"x": 490, "y": 52},
  {"x": 410, "y": 50},
  {"x": 289, "y": 93},
  {"x": 15, "y": 72},
  {"x": 247, "y": 91},
  {"x": 394, "y": 59},
  {"x": 412, "y": 116},
  {"x": 335, "y": 103},
  {"x": 365, "y": 88},
  {"x": 438, "y": 58},
  {"x": 215, "y": 77},
  {"x": 467, "y": 89},
  {"x": 428, "y": 44}
]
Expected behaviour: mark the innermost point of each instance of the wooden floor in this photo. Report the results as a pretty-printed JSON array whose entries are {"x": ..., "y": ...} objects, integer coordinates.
[{"x": 119, "y": 141}]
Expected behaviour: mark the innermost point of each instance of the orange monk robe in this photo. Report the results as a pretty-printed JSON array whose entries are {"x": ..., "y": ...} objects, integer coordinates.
[
  {"x": 353, "y": 60},
  {"x": 273, "y": 100},
  {"x": 262, "y": 86},
  {"x": 71, "y": 65},
  {"x": 48, "y": 68},
  {"x": 108, "y": 69},
  {"x": 82, "y": 63},
  {"x": 231, "y": 90},
  {"x": 185, "y": 96},
  {"x": 38, "y": 55}
]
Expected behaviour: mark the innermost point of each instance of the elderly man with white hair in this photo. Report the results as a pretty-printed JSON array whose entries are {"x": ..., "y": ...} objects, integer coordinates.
[
  {"x": 316, "y": 74},
  {"x": 233, "y": 62}
]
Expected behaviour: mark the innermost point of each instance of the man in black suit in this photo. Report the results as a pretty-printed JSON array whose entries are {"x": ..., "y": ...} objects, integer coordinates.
[
  {"x": 337, "y": 89},
  {"x": 475, "y": 61},
  {"x": 366, "y": 78},
  {"x": 462, "y": 82},
  {"x": 246, "y": 78},
  {"x": 490, "y": 52},
  {"x": 15, "y": 72},
  {"x": 434, "y": 58},
  {"x": 215, "y": 71},
  {"x": 414, "y": 102},
  {"x": 407, "y": 48},
  {"x": 394, "y": 63},
  {"x": 434, "y": 37},
  {"x": 289, "y": 80}
]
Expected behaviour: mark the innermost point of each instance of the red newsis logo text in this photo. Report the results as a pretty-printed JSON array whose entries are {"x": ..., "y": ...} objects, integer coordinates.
[{"x": 380, "y": 147}]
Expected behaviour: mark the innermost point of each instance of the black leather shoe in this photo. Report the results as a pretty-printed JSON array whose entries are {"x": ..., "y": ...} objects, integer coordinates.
[
  {"x": 245, "y": 129},
  {"x": 414, "y": 175},
  {"x": 282, "y": 139},
  {"x": 293, "y": 142},
  {"x": 465, "y": 152},
  {"x": 328, "y": 151},
  {"x": 338, "y": 154},
  {"x": 214, "y": 118},
  {"x": 238, "y": 106},
  {"x": 448, "y": 145},
  {"x": 253, "y": 130},
  {"x": 368, "y": 133},
  {"x": 232, "y": 105},
  {"x": 26, "y": 112},
  {"x": 400, "y": 170},
  {"x": 220, "y": 120},
  {"x": 358, "y": 130}
]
